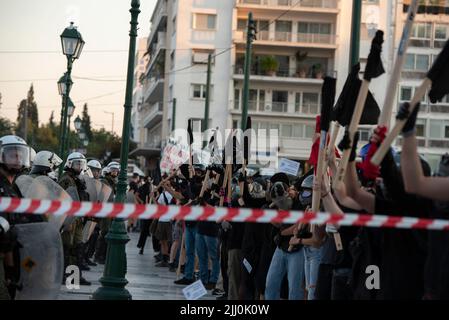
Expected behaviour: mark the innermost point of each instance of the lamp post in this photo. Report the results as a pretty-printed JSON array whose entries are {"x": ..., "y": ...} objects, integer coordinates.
[
  {"x": 64, "y": 85},
  {"x": 113, "y": 281},
  {"x": 72, "y": 45},
  {"x": 70, "y": 112},
  {"x": 78, "y": 123}
]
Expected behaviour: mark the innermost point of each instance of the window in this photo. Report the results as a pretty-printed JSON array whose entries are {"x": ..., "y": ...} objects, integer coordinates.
[
  {"x": 406, "y": 94},
  {"x": 279, "y": 101},
  {"x": 201, "y": 56},
  {"x": 205, "y": 21},
  {"x": 199, "y": 91},
  {"x": 298, "y": 130},
  {"x": 436, "y": 128},
  {"x": 446, "y": 131},
  {"x": 421, "y": 30},
  {"x": 287, "y": 130},
  {"x": 297, "y": 101},
  {"x": 310, "y": 103},
  {"x": 364, "y": 134},
  {"x": 422, "y": 62},
  {"x": 440, "y": 32},
  {"x": 316, "y": 28},
  {"x": 172, "y": 60},
  {"x": 236, "y": 99},
  {"x": 235, "y": 124},
  {"x": 420, "y": 128},
  {"x": 310, "y": 130}
]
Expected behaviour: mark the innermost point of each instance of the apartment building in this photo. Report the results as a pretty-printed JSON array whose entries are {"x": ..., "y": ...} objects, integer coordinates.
[
  {"x": 430, "y": 33},
  {"x": 298, "y": 43}
]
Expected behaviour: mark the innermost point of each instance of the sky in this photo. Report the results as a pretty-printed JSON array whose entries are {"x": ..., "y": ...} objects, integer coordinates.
[{"x": 30, "y": 52}]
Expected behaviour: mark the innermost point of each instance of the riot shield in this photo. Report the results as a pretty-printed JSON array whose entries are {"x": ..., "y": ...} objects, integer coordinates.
[
  {"x": 41, "y": 261},
  {"x": 45, "y": 188},
  {"x": 105, "y": 193},
  {"x": 24, "y": 182},
  {"x": 91, "y": 187},
  {"x": 88, "y": 230}
]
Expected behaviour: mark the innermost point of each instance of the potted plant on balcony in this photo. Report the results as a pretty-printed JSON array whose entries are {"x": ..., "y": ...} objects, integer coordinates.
[
  {"x": 269, "y": 65},
  {"x": 301, "y": 70},
  {"x": 317, "y": 71}
]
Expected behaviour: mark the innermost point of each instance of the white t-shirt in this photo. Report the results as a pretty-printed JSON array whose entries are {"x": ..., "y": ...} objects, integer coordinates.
[{"x": 161, "y": 201}]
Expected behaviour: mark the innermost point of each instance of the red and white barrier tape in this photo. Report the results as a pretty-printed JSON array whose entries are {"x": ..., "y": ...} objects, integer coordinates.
[{"x": 125, "y": 211}]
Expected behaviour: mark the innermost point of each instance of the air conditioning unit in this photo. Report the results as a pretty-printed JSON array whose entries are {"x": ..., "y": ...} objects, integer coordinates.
[
  {"x": 268, "y": 107},
  {"x": 200, "y": 57}
]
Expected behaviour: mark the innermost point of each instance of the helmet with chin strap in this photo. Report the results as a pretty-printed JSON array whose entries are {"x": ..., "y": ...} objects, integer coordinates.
[{"x": 15, "y": 154}]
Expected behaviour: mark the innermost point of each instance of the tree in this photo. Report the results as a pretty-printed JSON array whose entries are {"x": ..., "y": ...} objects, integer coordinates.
[
  {"x": 28, "y": 106},
  {"x": 6, "y": 127},
  {"x": 1, "y": 100},
  {"x": 85, "y": 123},
  {"x": 51, "y": 122}
]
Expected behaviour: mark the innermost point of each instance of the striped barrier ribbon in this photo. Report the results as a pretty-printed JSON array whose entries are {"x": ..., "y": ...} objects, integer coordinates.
[{"x": 216, "y": 214}]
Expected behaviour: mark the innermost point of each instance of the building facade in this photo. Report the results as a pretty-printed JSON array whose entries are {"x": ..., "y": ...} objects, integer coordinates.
[{"x": 430, "y": 33}]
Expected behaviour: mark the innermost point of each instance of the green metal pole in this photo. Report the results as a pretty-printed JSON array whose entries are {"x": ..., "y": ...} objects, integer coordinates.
[
  {"x": 173, "y": 116},
  {"x": 113, "y": 281},
  {"x": 206, "y": 109},
  {"x": 67, "y": 146},
  {"x": 249, "y": 39},
  {"x": 62, "y": 150},
  {"x": 355, "y": 32}
]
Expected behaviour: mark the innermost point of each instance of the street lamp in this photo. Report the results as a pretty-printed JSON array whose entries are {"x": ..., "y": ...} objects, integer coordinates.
[
  {"x": 78, "y": 123},
  {"x": 85, "y": 143},
  {"x": 62, "y": 84},
  {"x": 70, "y": 108},
  {"x": 72, "y": 45},
  {"x": 113, "y": 281},
  {"x": 72, "y": 42},
  {"x": 82, "y": 135}
]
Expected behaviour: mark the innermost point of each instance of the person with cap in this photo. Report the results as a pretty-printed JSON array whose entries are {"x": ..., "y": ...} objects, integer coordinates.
[
  {"x": 286, "y": 261},
  {"x": 72, "y": 238}
]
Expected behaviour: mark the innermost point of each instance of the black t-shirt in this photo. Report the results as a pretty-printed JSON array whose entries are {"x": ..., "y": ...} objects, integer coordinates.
[
  {"x": 403, "y": 252},
  {"x": 144, "y": 191}
]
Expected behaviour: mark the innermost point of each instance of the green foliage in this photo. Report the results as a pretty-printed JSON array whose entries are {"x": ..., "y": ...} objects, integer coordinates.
[
  {"x": 269, "y": 64},
  {"x": 6, "y": 127},
  {"x": 86, "y": 123}
]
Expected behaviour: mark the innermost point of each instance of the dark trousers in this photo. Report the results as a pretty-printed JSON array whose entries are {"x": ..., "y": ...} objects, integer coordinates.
[
  {"x": 324, "y": 283},
  {"x": 224, "y": 264},
  {"x": 144, "y": 233},
  {"x": 92, "y": 243},
  {"x": 341, "y": 284}
]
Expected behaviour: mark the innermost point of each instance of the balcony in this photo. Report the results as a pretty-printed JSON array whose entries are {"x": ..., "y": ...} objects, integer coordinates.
[
  {"x": 307, "y": 110},
  {"x": 154, "y": 89},
  {"x": 158, "y": 20},
  {"x": 290, "y": 39},
  {"x": 285, "y": 75},
  {"x": 153, "y": 116},
  {"x": 312, "y": 5},
  {"x": 157, "y": 51}
]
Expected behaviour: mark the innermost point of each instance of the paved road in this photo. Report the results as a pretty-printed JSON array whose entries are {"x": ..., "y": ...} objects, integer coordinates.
[{"x": 146, "y": 282}]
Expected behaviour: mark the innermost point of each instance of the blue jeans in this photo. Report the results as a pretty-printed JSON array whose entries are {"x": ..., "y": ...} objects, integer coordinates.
[
  {"x": 207, "y": 247},
  {"x": 190, "y": 252},
  {"x": 312, "y": 258},
  {"x": 292, "y": 264}
]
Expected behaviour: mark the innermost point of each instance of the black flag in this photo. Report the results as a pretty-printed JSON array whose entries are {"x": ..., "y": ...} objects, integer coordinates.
[
  {"x": 190, "y": 131},
  {"x": 327, "y": 102},
  {"x": 374, "y": 67},
  {"x": 439, "y": 74},
  {"x": 344, "y": 108},
  {"x": 247, "y": 140}
]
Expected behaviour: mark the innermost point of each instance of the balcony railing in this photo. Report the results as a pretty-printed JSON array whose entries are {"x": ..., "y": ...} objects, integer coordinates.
[
  {"x": 316, "y": 38},
  {"x": 281, "y": 36},
  {"x": 287, "y": 73},
  {"x": 328, "y": 4}
]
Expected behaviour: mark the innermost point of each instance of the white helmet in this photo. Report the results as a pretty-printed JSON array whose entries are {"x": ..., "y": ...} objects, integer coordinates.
[
  {"x": 76, "y": 161},
  {"x": 32, "y": 156},
  {"x": 45, "y": 161},
  {"x": 14, "y": 153},
  {"x": 113, "y": 167},
  {"x": 94, "y": 164}
]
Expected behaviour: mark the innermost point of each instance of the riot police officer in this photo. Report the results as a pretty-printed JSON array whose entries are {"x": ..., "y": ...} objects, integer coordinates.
[
  {"x": 45, "y": 164},
  {"x": 14, "y": 159},
  {"x": 110, "y": 175},
  {"x": 72, "y": 238}
]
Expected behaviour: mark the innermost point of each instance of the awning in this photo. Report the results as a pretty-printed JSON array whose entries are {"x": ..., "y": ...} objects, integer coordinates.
[{"x": 146, "y": 152}]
